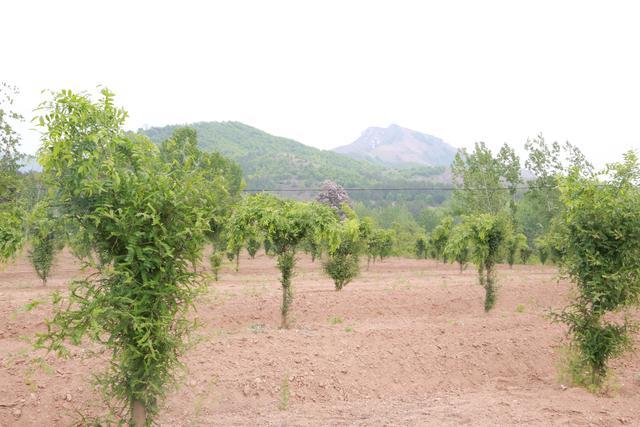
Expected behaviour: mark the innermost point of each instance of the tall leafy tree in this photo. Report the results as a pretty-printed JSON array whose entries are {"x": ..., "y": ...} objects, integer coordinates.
[
  {"x": 11, "y": 212},
  {"x": 146, "y": 220},
  {"x": 486, "y": 183},
  {"x": 223, "y": 176},
  {"x": 598, "y": 237},
  {"x": 10, "y": 157},
  {"x": 548, "y": 162}
]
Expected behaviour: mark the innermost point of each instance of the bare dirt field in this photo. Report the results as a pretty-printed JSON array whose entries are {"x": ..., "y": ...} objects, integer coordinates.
[{"x": 407, "y": 343}]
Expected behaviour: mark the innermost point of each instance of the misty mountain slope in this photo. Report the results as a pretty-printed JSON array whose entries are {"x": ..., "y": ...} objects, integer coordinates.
[
  {"x": 398, "y": 146},
  {"x": 270, "y": 161}
]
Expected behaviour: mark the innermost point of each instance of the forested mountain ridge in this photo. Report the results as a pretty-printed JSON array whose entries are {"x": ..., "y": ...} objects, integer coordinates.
[
  {"x": 270, "y": 161},
  {"x": 399, "y": 147}
]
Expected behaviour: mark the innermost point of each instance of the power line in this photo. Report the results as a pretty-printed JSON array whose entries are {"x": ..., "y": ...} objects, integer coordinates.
[{"x": 258, "y": 190}]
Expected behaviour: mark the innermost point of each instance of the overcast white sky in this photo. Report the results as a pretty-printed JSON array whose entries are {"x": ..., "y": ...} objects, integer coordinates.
[{"x": 321, "y": 72}]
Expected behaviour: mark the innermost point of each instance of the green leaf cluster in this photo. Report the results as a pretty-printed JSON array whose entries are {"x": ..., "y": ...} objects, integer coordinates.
[
  {"x": 598, "y": 239},
  {"x": 457, "y": 248},
  {"x": 343, "y": 262},
  {"x": 286, "y": 224},
  {"x": 487, "y": 235},
  {"x": 141, "y": 215}
]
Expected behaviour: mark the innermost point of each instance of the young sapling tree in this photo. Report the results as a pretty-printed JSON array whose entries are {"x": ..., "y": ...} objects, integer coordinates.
[
  {"x": 45, "y": 240},
  {"x": 515, "y": 243},
  {"x": 343, "y": 262},
  {"x": 457, "y": 248},
  {"x": 487, "y": 235},
  {"x": 598, "y": 238},
  {"x": 145, "y": 219},
  {"x": 286, "y": 224}
]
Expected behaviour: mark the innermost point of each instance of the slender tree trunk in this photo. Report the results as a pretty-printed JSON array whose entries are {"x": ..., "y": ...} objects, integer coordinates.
[
  {"x": 489, "y": 286},
  {"x": 286, "y": 262},
  {"x": 138, "y": 414}
]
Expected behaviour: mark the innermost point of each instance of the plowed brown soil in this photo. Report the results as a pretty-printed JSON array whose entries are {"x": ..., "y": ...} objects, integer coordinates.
[{"x": 407, "y": 343}]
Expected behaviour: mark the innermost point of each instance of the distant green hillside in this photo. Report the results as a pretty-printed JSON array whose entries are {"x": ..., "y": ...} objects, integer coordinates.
[{"x": 274, "y": 162}]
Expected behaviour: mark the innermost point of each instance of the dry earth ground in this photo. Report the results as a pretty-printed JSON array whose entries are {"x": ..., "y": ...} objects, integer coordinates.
[{"x": 407, "y": 343}]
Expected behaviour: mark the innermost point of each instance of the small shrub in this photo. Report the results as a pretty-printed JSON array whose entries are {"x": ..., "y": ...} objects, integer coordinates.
[
  {"x": 421, "y": 248},
  {"x": 342, "y": 268},
  {"x": 457, "y": 247},
  {"x": 487, "y": 234},
  {"x": 597, "y": 239},
  {"x": 216, "y": 263},
  {"x": 525, "y": 254},
  {"x": 343, "y": 263},
  {"x": 252, "y": 247},
  {"x": 515, "y": 243},
  {"x": 45, "y": 240},
  {"x": 575, "y": 371}
]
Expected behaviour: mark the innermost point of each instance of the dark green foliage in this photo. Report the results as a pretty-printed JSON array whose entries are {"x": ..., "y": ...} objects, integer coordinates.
[
  {"x": 252, "y": 247},
  {"x": 487, "y": 235},
  {"x": 543, "y": 248},
  {"x": 312, "y": 248},
  {"x": 267, "y": 246},
  {"x": 11, "y": 212},
  {"x": 430, "y": 217},
  {"x": 10, "y": 158},
  {"x": 11, "y": 232},
  {"x": 223, "y": 176},
  {"x": 399, "y": 219},
  {"x": 457, "y": 248},
  {"x": 543, "y": 254},
  {"x": 342, "y": 268},
  {"x": 216, "y": 263},
  {"x": 45, "y": 239},
  {"x": 514, "y": 245},
  {"x": 233, "y": 254},
  {"x": 286, "y": 264},
  {"x": 439, "y": 236},
  {"x": 421, "y": 247},
  {"x": 145, "y": 218},
  {"x": 525, "y": 254},
  {"x": 379, "y": 244},
  {"x": 343, "y": 263},
  {"x": 598, "y": 239}
]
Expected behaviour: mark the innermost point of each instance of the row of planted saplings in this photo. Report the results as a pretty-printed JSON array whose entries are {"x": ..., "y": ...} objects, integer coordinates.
[{"x": 140, "y": 216}]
